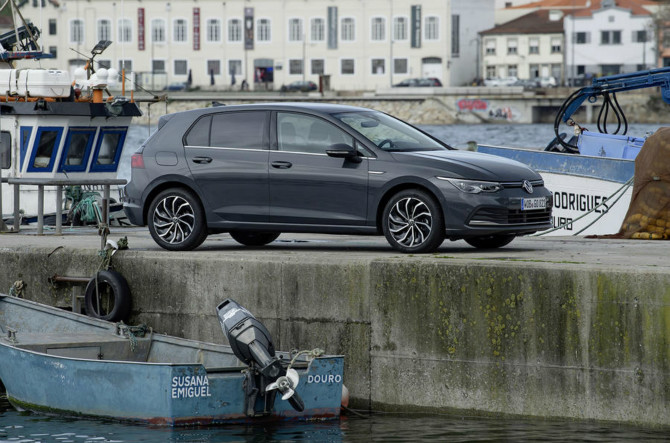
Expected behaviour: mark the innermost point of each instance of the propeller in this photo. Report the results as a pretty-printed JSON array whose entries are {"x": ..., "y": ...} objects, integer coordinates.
[{"x": 286, "y": 385}]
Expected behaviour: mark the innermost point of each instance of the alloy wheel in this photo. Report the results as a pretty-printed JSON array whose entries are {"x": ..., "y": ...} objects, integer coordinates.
[
  {"x": 174, "y": 219},
  {"x": 410, "y": 222}
]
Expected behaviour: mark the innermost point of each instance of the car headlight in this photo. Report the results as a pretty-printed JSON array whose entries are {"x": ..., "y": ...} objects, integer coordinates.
[{"x": 473, "y": 186}]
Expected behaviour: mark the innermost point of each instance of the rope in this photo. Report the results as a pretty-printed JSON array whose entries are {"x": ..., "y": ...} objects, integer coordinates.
[
  {"x": 316, "y": 352},
  {"x": 607, "y": 200},
  {"x": 133, "y": 332}
]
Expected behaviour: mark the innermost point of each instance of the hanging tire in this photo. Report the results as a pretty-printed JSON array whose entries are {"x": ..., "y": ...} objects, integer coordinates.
[
  {"x": 413, "y": 223},
  {"x": 491, "y": 241},
  {"x": 250, "y": 238},
  {"x": 176, "y": 220},
  {"x": 111, "y": 301}
]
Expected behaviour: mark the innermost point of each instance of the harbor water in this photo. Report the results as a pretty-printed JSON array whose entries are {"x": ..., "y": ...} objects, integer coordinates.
[{"x": 357, "y": 426}]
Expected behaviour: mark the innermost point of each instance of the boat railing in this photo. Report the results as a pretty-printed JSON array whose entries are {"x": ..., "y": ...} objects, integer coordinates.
[{"x": 59, "y": 183}]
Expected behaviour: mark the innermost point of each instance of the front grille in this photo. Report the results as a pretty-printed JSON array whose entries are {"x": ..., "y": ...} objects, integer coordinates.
[
  {"x": 535, "y": 183},
  {"x": 507, "y": 217}
]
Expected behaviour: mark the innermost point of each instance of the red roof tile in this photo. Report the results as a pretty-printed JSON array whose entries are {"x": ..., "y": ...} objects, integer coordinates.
[{"x": 536, "y": 22}]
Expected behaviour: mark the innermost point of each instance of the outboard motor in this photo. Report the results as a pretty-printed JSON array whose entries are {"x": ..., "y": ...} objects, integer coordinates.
[{"x": 252, "y": 344}]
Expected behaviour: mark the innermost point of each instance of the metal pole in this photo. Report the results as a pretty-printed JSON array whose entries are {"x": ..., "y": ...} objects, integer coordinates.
[
  {"x": 16, "y": 207},
  {"x": 59, "y": 209},
  {"x": 2, "y": 221},
  {"x": 40, "y": 209}
]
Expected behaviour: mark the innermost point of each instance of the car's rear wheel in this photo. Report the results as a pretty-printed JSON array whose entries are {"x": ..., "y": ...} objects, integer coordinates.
[
  {"x": 177, "y": 220},
  {"x": 412, "y": 222},
  {"x": 250, "y": 238},
  {"x": 491, "y": 241}
]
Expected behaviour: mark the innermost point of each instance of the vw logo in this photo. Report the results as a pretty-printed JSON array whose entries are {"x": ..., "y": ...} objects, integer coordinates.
[{"x": 527, "y": 186}]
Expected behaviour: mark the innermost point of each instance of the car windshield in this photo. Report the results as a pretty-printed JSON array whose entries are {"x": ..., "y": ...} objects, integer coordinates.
[{"x": 388, "y": 133}]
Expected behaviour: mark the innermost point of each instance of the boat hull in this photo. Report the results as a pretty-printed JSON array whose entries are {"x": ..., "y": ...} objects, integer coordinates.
[{"x": 591, "y": 195}]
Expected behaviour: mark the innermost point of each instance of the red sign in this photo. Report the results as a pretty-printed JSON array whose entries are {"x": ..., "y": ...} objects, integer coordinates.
[
  {"x": 196, "y": 29},
  {"x": 466, "y": 104},
  {"x": 140, "y": 29}
]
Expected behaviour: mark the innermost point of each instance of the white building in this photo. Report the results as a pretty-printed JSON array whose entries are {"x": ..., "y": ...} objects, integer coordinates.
[
  {"x": 359, "y": 44},
  {"x": 468, "y": 18},
  {"x": 610, "y": 40},
  {"x": 529, "y": 47}
]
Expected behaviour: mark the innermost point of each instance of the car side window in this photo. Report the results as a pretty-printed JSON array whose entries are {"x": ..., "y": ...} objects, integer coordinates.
[
  {"x": 240, "y": 130},
  {"x": 304, "y": 133},
  {"x": 199, "y": 133}
]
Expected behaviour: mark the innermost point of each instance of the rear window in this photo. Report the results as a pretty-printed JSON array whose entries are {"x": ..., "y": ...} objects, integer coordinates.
[{"x": 199, "y": 133}]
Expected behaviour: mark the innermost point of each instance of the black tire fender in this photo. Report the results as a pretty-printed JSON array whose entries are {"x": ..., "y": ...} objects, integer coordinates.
[{"x": 120, "y": 291}]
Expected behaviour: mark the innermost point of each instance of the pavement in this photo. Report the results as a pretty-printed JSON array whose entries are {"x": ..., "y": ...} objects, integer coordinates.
[{"x": 642, "y": 255}]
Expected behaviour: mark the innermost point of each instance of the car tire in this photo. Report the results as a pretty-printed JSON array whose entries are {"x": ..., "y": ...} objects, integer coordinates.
[
  {"x": 176, "y": 220},
  {"x": 491, "y": 241},
  {"x": 250, "y": 238},
  {"x": 412, "y": 222},
  {"x": 112, "y": 289}
]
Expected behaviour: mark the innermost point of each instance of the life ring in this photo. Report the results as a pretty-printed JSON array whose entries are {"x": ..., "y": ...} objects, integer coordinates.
[{"x": 114, "y": 302}]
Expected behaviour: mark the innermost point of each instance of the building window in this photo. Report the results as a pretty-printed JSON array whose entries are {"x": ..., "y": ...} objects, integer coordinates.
[
  {"x": 126, "y": 64},
  {"x": 234, "y": 30},
  {"x": 179, "y": 33},
  {"x": 235, "y": 67},
  {"x": 534, "y": 46},
  {"x": 640, "y": 37},
  {"x": 295, "y": 30},
  {"x": 348, "y": 30},
  {"x": 318, "y": 30},
  {"x": 213, "y": 30},
  {"x": 180, "y": 67},
  {"x": 214, "y": 67},
  {"x": 378, "y": 29},
  {"x": 104, "y": 64},
  {"x": 610, "y": 37},
  {"x": 490, "y": 47},
  {"x": 125, "y": 30},
  {"x": 52, "y": 26},
  {"x": 104, "y": 29},
  {"x": 556, "y": 45},
  {"x": 512, "y": 70},
  {"x": 347, "y": 66},
  {"x": 158, "y": 30},
  {"x": 295, "y": 67},
  {"x": 455, "y": 35},
  {"x": 432, "y": 25},
  {"x": 378, "y": 66},
  {"x": 158, "y": 66},
  {"x": 534, "y": 71},
  {"x": 77, "y": 32},
  {"x": 263, "y": 32},
  {"x": 582, "y": 38},
  {"x": 53, "y": 50},
  {"x": 512, "y": 46},
  {"x": 318, "y": 66},
  {"x": 581, "y": 69},
  {"x": 490, "y": 72},
  {"x": 400, "y": 66},
  {"x": 399, "y": 28}
]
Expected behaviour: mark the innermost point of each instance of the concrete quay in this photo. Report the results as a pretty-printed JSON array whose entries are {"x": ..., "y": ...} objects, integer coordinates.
[{"x": 547, "y": 327}]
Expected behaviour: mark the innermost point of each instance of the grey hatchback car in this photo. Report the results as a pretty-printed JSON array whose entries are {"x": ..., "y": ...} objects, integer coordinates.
[{"x": 258, "y": 170}]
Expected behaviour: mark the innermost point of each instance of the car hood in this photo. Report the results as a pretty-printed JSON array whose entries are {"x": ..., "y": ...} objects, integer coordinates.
[{"x": 469, "y": 165}]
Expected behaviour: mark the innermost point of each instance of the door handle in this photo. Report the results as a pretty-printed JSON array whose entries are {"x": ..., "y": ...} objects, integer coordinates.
[
  {"x": 281, "y": 165},
  {"x": 202, "y": 159}
]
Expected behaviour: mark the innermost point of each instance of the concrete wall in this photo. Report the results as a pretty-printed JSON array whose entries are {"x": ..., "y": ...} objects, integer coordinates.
[{"x": 436, "y": 333}]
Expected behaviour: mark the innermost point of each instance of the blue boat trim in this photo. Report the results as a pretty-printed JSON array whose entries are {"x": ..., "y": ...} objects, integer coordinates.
[{"x": 610, "y": 169}]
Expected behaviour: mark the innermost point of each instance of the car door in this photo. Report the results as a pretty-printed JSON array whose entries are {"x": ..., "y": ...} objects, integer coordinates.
[
  {"x": 227, "y": 153},
  {"x": 306, "y": 185}
]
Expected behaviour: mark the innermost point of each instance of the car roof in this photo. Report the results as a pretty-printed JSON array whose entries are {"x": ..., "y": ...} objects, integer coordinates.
[{"x": 311, "y": 107}]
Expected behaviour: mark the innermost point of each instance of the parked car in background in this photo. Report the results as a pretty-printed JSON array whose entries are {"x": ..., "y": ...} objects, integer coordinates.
[
  {"x": 177, "y": 86},
  {"x": 527, "y": 83},
  {"x": 419, "y": 82},
  {"x": 548, "y": 82},
  {"x": 497, "y": 81},
  {"x": 301, "y": 86},
  {"x": 258, "y": 170}
]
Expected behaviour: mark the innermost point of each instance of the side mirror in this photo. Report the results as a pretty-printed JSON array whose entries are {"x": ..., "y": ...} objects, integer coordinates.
[{"x": 343, "y": 150}]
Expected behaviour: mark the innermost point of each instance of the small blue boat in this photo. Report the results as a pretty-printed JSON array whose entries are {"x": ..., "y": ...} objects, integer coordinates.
[{"x": 56, "y": 362}]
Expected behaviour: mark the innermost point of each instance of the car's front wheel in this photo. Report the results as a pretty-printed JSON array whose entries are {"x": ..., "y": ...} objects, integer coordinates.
[
  {"x": 412, "y": 222},
  {"x": 250, "y": 238},
  {"x": 490, "y": 241},
  {"x": 177, "y": 220}
]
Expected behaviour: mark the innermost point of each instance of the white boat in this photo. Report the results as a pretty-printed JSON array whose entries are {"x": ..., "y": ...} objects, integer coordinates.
[
  {"x": 591, "y": 174},
  {"x": 54, "y": 128}
]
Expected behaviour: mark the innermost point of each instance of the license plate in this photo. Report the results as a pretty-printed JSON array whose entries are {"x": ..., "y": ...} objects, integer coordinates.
[{"x": 528, "y": 204}]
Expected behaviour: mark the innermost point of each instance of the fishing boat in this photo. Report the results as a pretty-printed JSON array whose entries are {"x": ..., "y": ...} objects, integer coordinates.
[
  {"x": 591, "y": 173},
  {"x": 60, "y": 363},
  {"x": 55, "y": 127}
]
